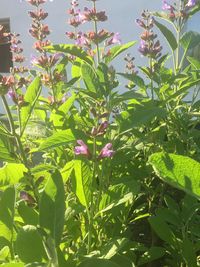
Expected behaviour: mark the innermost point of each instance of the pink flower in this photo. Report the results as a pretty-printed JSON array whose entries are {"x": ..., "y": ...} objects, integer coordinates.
[
  {"x": 116, "y": 39},
  {"x": 106, "y": 151},
  {"x": 191, "y": 3},
  {"x": 82, "y": 149},
  {"x": 166, "y": 6}
]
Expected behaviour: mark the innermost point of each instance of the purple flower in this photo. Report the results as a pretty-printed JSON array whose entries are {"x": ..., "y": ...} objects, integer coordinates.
[
  {"x": 106, "y": 151},
  {"x": 82, "y": 149},
  {"x": 166, "y": 6},
  {"x": 143, "y": 48},
  {"x": 191, "y": 3},
  {"x": 116, "y": 39}
]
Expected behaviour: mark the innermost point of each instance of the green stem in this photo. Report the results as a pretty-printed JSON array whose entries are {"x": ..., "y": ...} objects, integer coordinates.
[
  {"x": 96, "y": 31},
  {"x": 19, "y": 143},
  {"x": 91, "y": 211},
  {"x": 151, "y": 81}
]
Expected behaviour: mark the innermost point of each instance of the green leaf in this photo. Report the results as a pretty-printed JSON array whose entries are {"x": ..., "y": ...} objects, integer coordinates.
[
  {"x": 188, "y": 253},
  {"x": 162, "y": 229},
  {"x": 28, "y": 214},
  {"x": 167, "y": 34},
  {"x": 140, "y": 115},
  {"x": 4, "y": 253},
  {"x": 58, "y": 116},
  {"x": 5, "y": 153},
  {"x": 60, "y": 138},
  {"x": 82, "y": 182},
  {"x": 90, "y": 78},
  {"x": 152, "y": 254},
  {"x": 126, "y": 198},
  {"x": 31, "y": 97},
  {"x": 190, "y": 39},
  {"x": 195, "y": 62},
  {"x": 178, "y": 171},
  {"x": 29, "y": 246},
  {"x": 12, "y": 173},
  {"x": 67, "y": 170},
  {"x": 122, "y": 260},
  {"x": 7, "y": 209},
  {"x": 117, "y": 50},
  {"x": 73, "y": 50},
  {"x": 113, "y": 248},
  {"x": 134, "y": 78},
  {"x": 52, "y": 207},
  {"x": 98, "y": 263}
]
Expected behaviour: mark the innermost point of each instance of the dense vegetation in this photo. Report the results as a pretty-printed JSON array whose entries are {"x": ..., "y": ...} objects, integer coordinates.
[{"x": 101, "y": 168}]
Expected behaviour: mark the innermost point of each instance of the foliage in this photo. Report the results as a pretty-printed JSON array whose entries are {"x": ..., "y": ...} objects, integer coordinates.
[{"x": 100, "y": 167}]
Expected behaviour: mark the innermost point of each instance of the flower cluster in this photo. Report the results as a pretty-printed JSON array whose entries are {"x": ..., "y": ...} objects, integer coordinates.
[
  {"x": 90, "y": 38},
  {"x": 40, "y": 31},
  {"x": 174, "y": 11},
  {"x": 82, "y": 149},
  {"x": 149, "y": 46}
]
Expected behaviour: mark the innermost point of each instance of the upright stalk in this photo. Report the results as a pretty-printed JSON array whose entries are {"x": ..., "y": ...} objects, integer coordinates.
[{"x": 96, "y": 31}]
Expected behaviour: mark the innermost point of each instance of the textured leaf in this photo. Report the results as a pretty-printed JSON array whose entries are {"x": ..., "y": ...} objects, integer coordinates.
[
  {"x": 134, "y": 78},
  {"x": 5, "y": 153},
  {"x": 28, "y": 214},
  {"x": 52, "y": 207},
  {"x": 90, "y": 78},
  {"x": 29, "y": 246},
  {"x": 167, "y": 34},
  {"x": 190, "y": 39},
  {"x": 98, "y": 263},
  {"x": 73, "y": 50},
  {"x": 58, "y": 116},
  {"x": 31, "y": 97},
  {"x": 57, "y": 139},
  {"x": 117, "y": 50},
  {"x": 83, "y": 182},
  {"x": 7, "y": 205},
  {"x": 178, "y": 171},
  {"x": 12, "y": 173}
]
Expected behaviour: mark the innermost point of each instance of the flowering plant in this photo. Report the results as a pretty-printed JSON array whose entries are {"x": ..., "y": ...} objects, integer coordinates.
[{"x": 93, "y": 175}]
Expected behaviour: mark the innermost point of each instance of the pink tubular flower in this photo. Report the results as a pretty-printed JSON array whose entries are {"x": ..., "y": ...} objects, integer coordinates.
[
  {"x": 167, "y": 6},
  {"x": 116, "y": 39},
  {"x": 106, "y": 151},
  {"x": 191, "y": 3},
  {"x": 82, "y": 149}
]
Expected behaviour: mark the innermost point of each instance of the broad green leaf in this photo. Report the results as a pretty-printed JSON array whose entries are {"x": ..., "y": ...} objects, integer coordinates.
[
  {"x": 179, "y": 171},
  {"x": 113, "y": 248},
  {"x": 152, "y": 254},
  {"x": 5, "y": 153},
  {"x": 195, "y": 62},
  {"x": 60, "y": 138},
  {"x": 28, "y": 214},
  {"x": 58, "y": 116},
  {"x": 52, "y": 207},
  {"x": 190, "y": 39},
  {"x": 117, "y": 50},
  {"x": 127, "y": 198},
  {"x": 90, "y": 78},
  {"x": 122, "y": 260},
  {"x": 167, "y": 34},
  {"x": 4, "y": 253},
  {"x": 98, "y": 263},
  {"x": 82, "y": 182},
  {"x": 29, "y": 246},
  {"x": 71, "y": 49},
  {"x": 67, "y": 170},
  {"x": 3, "y": 130},
  {"x": 7, "y": 209},
  {"x": 140, "y": 115},
  {"x": 31, "y": 97},
  {"x": 134, "y": 78},
  {"x": 188, "y": 253},
  {"x": 12, "y": 173},
  {"x": 162, "y": 229}
]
